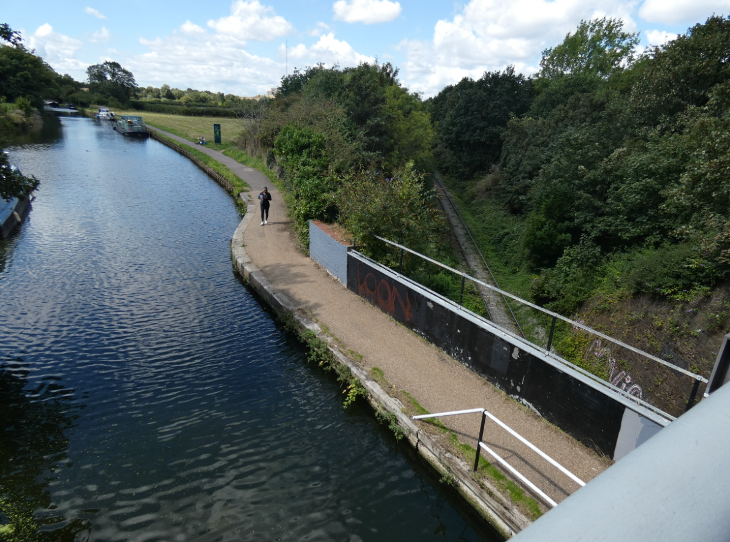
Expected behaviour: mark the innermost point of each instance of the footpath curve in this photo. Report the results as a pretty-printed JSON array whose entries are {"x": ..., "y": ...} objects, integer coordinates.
[{"x": 362, "y": 337}]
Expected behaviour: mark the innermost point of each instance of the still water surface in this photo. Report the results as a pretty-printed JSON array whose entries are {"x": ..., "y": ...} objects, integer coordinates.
[{"x": 147, "y": 395}]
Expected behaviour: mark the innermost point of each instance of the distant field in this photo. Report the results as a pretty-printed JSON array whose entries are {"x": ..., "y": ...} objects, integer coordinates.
[{"x": 191, "y": 128}]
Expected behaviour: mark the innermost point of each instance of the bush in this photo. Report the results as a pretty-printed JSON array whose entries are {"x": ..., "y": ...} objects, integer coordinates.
[
  {"x": 25, "y": 106},
  {"x": 398, "y": 208}
]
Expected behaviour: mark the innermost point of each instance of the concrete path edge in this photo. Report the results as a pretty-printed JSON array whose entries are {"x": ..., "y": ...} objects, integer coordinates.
[{"x": 502, "y": 515}]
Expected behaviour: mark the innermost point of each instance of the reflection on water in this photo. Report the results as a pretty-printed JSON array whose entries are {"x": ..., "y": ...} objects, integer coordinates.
[
  {"x": 33, "y": 447},
  {"x": 153, "y": 397}
]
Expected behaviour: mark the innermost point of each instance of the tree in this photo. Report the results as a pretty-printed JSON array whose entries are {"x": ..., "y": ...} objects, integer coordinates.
[
  {"x": 10, "y": 35},
  {"x": 681, "y": 74},
  {"x": 166, "y": 93},
  {"x": 398, "y": 208},
  {"x": 23, "y": 74},
  {"x": 598, "y": 47},
  {"x": 474, "y": 117},
  {"x": 293, "y": 84},
  {"x": 12, "y": 183},
  {"x": 111, "y": 79}
]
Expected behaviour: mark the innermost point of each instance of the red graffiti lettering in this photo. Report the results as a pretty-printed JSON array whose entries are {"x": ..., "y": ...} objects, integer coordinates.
[{"x": 383, "y": 295}]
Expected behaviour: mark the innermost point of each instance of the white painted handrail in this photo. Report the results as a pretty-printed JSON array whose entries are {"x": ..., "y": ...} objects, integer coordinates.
[{"x": 485, "y": 413}]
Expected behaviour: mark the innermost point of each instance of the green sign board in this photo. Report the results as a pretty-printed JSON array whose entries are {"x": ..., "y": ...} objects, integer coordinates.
[{"x": 217, "y": 133}]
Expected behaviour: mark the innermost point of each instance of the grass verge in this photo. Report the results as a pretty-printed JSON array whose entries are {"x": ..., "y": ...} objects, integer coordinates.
[{"x": 191, "y": 128}]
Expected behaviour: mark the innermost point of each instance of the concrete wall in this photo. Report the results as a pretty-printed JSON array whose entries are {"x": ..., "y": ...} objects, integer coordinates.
[
  {"x": 582, "y": 407},
  {"x": 327, "y": 252}
]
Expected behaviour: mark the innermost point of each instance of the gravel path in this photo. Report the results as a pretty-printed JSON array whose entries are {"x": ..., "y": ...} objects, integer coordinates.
[{"x": 409, "y": 363}]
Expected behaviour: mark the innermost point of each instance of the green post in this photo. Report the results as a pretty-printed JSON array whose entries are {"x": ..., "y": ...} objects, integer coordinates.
[{"x": 217, "y": 133}]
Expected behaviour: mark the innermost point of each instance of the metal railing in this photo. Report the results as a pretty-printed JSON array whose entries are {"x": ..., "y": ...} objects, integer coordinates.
[
  {"x": 481, "y": 445},
  {"x": 576, "y": 325},
  {"x": 476, "y": 246}
]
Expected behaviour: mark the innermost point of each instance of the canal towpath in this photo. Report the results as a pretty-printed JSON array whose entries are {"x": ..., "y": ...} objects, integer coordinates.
[{"x": 408, "y": 363}]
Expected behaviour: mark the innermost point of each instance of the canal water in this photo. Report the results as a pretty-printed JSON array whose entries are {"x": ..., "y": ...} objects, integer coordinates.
[{"x": 146, "y": 394}]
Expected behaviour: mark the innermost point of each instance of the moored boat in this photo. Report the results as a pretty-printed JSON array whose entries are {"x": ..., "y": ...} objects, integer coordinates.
[
  {"x": 131, "y": 125},
  {"x": 104, "y": 114},
  {"x": 12, "y": 212}
]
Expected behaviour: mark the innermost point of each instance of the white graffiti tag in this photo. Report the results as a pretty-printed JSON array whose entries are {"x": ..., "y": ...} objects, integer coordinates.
[{"x": 620, "y": 379}]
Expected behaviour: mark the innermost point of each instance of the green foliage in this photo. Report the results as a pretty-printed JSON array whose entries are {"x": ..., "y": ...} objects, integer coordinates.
[
  {"x": 112, "y": 80},
  {"x": 23, "y": 74},
  {"x": 10, "y": 35},
  {"x": 310, "y": 182},
  {"x": 13, "y": 184},
  {"x": 598, "y": 48},
  {"x": 320, "y": 354},
  {"x": 621, "y": 170},
  {"x": 294, "y": 83},
  {"x": 25, "y": 106},
  {"x": 188, "y": 110},
  {"x": 371, "y": 119},
  {"x": 392, "y": 421},
  {"x": 680, "y": 74},
  {"x": 472, "y": 116},
  {"x": 397, "y": 208}
]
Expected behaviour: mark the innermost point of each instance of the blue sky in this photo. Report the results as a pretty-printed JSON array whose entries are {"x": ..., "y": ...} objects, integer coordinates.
[{"x": 241, "y": 46}]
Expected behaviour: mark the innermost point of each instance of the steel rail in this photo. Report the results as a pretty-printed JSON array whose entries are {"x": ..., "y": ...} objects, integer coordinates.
[
  {"x": 514, "y": 317},
  {"x": 551, "y": 313},
  {"x": 557, "y": 358},
  {"x": 514, "y": 471},
  {"x": 480, "y": 444}
]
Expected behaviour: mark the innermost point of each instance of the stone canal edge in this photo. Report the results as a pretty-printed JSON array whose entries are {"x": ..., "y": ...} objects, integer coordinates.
[{"x": 504, "y": 517}]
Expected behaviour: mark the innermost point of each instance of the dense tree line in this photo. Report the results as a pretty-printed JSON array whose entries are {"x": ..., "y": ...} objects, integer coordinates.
[
  {"x": 610, "y": 160},
  {"x": 351, "y": 143}
]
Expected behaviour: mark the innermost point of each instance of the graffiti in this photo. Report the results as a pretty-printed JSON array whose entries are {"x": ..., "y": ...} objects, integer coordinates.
[
  {"x": 621, "y": 379},
  {"x": 384, "y": 295}
]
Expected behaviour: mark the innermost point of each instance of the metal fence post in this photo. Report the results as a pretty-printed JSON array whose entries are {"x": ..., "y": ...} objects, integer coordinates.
[
  {"x": 461, "y": 295},
  {"x": 692, "y": 395},
  {"x": 481, "y": 434},
  {"x": 552, "y": 330},
  {"x": 400, "y": 269}
]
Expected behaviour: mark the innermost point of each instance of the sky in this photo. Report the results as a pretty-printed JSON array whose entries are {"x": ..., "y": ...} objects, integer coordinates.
[{"x": 244, "y": 47}]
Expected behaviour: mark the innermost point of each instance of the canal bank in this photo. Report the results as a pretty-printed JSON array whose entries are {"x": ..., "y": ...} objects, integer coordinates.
[
  {"x": 384, "y": 355},
  {"x": 148, "y": 395}
]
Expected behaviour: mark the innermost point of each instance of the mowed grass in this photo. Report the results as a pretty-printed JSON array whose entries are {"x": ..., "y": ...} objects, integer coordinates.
[{"x": 191, "y": 128}]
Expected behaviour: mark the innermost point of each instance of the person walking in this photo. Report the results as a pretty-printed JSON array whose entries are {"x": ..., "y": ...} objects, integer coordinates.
[{"x": 264, "y": 199}]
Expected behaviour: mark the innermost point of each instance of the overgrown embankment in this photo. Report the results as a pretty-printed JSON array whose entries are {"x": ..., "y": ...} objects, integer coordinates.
[{"x": 599, "y": 189}]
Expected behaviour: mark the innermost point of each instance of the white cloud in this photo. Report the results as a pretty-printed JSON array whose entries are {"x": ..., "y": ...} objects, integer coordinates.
[
  {"x": 366, "y": 11},
  {"x": 100, "y": 36},
  {"x": 192, "y": 28},
  {"x": 489, "y": 35},
  {"x": 56, "y": 49},
  {"x": 319, "y": 29},
  {"x": 252, "y": 21},
  {"x": 659, "y": 37},
  {"x": 677, "y": 11},
  {"x": 330, "y": 51},
  {"x": 95, "y": 13},
  {"x": 204, "y": 61}
]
